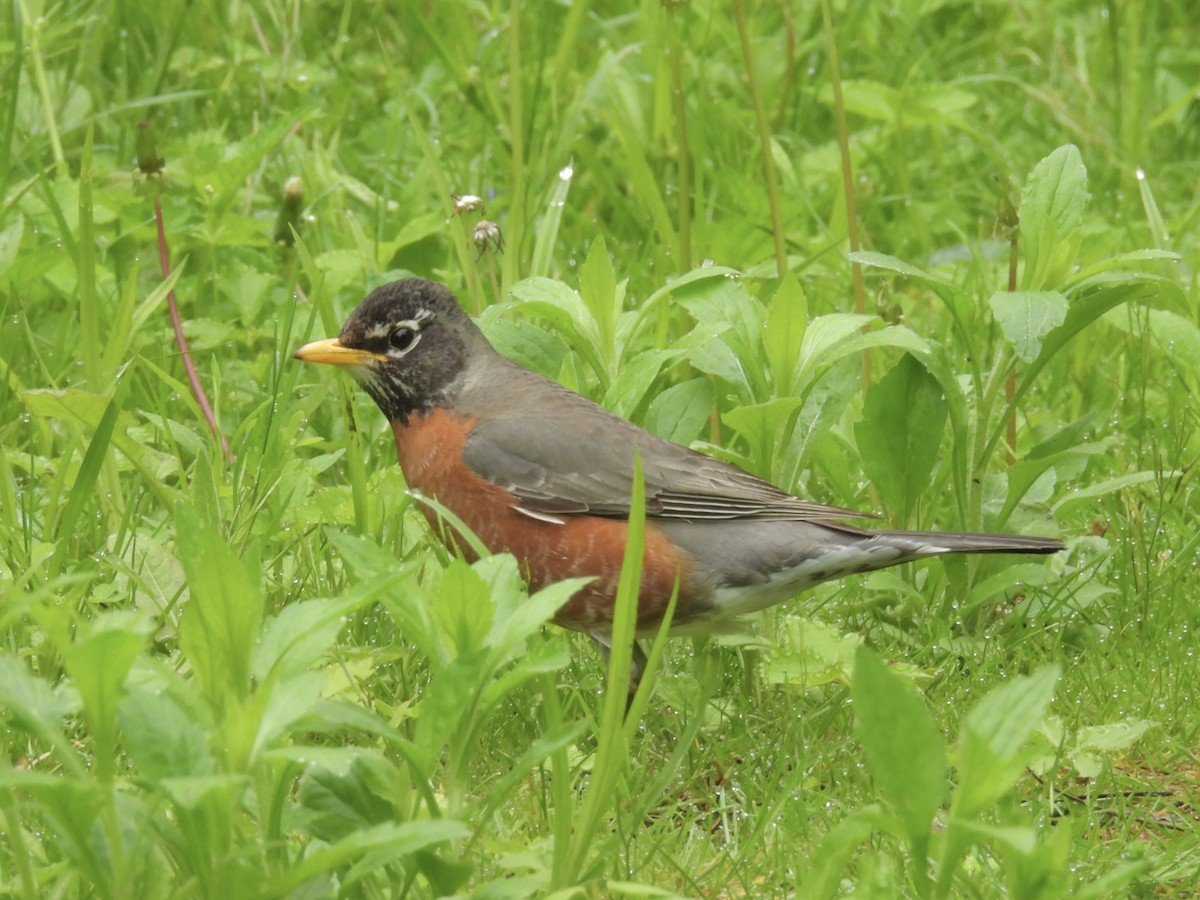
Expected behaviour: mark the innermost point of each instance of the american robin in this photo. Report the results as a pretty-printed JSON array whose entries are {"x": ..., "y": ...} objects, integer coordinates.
[{"x": 545, "y": 474}]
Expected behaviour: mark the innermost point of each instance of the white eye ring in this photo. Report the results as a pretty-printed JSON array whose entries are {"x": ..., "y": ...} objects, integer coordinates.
[{"x": 404, "y": 336}]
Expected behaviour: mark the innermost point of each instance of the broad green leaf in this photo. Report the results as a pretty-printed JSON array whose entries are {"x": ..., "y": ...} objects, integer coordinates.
[
  {"x": 716, "y": 358},
  {"x": 823, "y": 407},
  {"x": 524, "y": 343},
  {"x": 339, "y": 762},
  {"x": 1051, "y": 211},
  {"x": 826, "y": 332},
  {"x": 80, "y": 407},
  {"x": 1023, "y": 475},
  {"x": 30, "y": 701},
  {"x": 529, "y": 616},
  {"x": 286, "y": 701},
  {"x": 295, "y": 640},
  {"x": 1094, "y": 743},
  {"x": 681, "y": 411},
  {"x": 904, "y": 416},
  {"x": 728, "y": 301},
  {"x": 787, "y": 320},
  {"x": 463, "y": 607},
  {"x": 634, "y": 379},
  {"x": 603, "y": 298},
  {"x": 163, "y": 739},
  {"x": 1086, "y": 305},
  {"x": 191, "y": 792},
  {"x": 401, "y": 840},
  {"x": 827, "y": 866},
  {"x": 1008, "y": 715},
  {"x": 98, "y": 664},
  {"x": 762, "y": 426},
  {"x": 1113, "y": 736},
  {"x": 810, "y": 653},
  {"x": 220, "y": 623},
  {"x": 990, "y": 758},
  {"x": 1026, "y": 317},
  {"x": 649, "y": 307},
  {"x": 903, "y": 748},
  {"x": 566, "y": 311}
]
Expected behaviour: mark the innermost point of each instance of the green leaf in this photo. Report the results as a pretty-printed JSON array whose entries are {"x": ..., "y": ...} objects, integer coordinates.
[
  {"x": 787, "y": 320},
  {"x": 633, "y": 381},
  {"x": 296, "y": 639},
  {"x": 401, "y": 840},
  {"x": 603, "y": 298},
  {"x": 224, "y": 610},
  {"x": 566, "y": 311},
  {"x": 903, "y": 748},
  {"x": 163, "y": 738},
  {"x": 89, "y": 471},
  {"x": 993, "y": 735},
  {"x": 827, "y": 866},
  {"x": 728, "y": 301},
  {"x": 1026, "y": 317},
  {"x": 32, "y": 704},
  {"x": 98, "y": 665},
  {"x": 681, "y": 411},
  {"x": 1109, "y": 486},
  {"x": 1052, "y": 206},
  {"x": 810, "y": 653},
  {"x": 529, "y": 616},
  {"x": 551, "y": 219},
  {"x": 524, "y": 342},
  {"x": 904, "y": 416},
  {"x": 463, "y": 608},
  {"x": 1094, "y": 742}
]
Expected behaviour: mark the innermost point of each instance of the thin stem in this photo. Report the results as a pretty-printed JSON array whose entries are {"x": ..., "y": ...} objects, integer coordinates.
[
  {"x": 43, "y": 88},
  {"x": 764, "y": 140},
  {"x": 164, "y": 262},
  {"x": 843, "y": 133},
  {"x": 684, "y": 161},
  {"x": 516, "y": 127},
  {"x": 1010, "y": 385}
]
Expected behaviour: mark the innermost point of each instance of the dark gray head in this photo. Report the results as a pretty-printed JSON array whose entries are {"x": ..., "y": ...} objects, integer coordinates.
[{"x": 407, "y": 344}]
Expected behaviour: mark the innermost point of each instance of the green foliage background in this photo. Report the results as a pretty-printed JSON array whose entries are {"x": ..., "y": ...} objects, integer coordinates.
[{"x": 258, "y": 676}]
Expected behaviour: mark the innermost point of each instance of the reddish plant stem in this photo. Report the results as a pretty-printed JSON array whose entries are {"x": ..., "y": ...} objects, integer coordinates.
[
  {"x": 1010, "y": 384},
  {"x": 164, "y": 261}
]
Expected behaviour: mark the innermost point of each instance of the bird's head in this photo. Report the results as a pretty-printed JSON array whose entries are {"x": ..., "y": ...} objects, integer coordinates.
[{"x": 406, "y": 344}]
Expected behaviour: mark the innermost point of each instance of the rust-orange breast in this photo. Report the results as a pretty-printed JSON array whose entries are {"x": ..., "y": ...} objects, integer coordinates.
[{"x": 430, "y": 453}]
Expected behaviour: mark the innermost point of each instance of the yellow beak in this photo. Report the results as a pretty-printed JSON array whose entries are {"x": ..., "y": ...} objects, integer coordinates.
[{"x": 331, "y": 352}]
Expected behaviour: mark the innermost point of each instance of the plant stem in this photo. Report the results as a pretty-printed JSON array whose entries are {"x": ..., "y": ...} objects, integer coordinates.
[
  {"x": 764, "y": 141},
  {"x": 43, "y": 88},
  {"x": 164, "y": 262},
  {"x": 684, "y": 160},
  {"x": 516, "y": 127},
  {"x": 843, "y": 133}
]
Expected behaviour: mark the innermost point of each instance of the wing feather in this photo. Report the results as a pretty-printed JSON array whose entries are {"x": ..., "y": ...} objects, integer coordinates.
[{"x": 569, "y": 456}]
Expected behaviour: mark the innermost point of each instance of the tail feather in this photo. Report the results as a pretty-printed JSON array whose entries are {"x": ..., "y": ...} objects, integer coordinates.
[
  {"x": 970, "y": 542},
  {"x": 929, "y": 543}
]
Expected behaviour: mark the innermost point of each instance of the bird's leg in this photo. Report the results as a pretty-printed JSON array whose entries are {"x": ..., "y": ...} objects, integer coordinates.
[{"x": 637, "y": 664}]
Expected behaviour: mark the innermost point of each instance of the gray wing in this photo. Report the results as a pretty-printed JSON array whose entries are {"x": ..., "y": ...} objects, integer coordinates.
[{"x": 569, "y": 456}]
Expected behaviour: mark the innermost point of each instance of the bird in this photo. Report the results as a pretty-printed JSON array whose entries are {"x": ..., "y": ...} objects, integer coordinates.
[{"x": 543, "y": 473}]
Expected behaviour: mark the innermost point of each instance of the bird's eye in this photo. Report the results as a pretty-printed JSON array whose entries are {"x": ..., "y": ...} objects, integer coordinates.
[{"x": 403, "y": 338}]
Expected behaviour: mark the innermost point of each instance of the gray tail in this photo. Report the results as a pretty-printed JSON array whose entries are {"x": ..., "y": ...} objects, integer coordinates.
[
  {"x": 967, "y": 542},
  {"x": 929, "y": 543}
]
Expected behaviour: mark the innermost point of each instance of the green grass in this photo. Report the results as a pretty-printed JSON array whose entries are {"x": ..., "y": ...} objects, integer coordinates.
[{"x": 261, "y": 677}]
